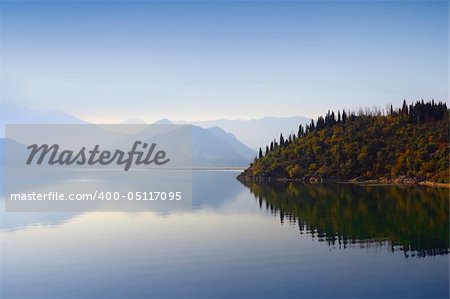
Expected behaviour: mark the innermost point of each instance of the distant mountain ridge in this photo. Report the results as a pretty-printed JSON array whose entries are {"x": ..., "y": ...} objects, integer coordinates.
[
  {"x": 216, "y": 148},
  {"x": 233, "y": 142},
  {"x": 215, "y": 143},
  {"x": 254, "y": 132},
  {"x": 212, "y": 147}
]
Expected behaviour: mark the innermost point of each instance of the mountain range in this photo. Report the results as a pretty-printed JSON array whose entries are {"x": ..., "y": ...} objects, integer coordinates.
[
  {"x": 216, "y": 143},
  {"x": 256, "y": 132},
  {"x": 211, "y": 147}
]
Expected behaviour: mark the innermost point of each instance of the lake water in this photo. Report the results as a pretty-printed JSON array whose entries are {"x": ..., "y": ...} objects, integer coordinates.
[{"x": 271, "y": 241}]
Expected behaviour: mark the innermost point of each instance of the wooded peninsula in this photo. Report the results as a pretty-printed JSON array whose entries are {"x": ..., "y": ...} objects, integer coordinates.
[{"x": 405, "y": 145}]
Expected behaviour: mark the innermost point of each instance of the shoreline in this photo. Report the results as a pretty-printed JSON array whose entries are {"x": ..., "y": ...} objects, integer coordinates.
[{"x": 402, "y": 181}]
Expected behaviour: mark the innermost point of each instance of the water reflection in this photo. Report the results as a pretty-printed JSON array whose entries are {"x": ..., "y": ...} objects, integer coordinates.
[
  {"x": 411, "y": 219},
  {"x": 210, "y": 190},
  {"x": 226, "y": 246}
]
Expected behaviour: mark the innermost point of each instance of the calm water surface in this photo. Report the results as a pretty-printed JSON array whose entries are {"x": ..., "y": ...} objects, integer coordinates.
[{"x": 272, "y": 241}]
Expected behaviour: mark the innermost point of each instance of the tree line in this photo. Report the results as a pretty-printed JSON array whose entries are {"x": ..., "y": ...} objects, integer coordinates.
[{"x": 419, "y": 112}]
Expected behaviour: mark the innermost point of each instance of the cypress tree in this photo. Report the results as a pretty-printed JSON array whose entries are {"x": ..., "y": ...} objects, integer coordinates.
[
  {"x": 281, "y": 140},
  {"x": 344, "y": 116},
  {"x": 404, "y": 108}
]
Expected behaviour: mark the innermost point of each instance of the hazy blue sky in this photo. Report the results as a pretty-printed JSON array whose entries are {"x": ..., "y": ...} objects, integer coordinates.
[{"x": 109, "y": 60}]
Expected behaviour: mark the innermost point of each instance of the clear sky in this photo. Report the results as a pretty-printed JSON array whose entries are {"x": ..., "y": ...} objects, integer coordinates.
[{"x": 104, "y": 61}]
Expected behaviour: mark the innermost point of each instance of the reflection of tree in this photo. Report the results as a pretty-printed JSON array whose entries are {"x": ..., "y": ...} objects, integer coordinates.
[{"x": 414, "y": 220}]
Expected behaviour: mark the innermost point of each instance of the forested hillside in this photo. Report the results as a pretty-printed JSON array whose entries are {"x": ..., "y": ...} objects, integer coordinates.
[{"x": 412, "y": 141}]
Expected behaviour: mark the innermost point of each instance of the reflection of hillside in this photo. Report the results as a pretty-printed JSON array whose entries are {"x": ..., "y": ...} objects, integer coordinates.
[
  {"x": 414, "y": 220},
  {"x": 210, "y": 189}
]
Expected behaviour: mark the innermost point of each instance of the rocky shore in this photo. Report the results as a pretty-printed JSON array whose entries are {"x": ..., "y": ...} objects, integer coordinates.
[{"x": 400, "y": 180}]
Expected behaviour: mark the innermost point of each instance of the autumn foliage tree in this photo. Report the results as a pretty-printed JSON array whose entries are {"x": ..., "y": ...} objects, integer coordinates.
[{"x": 410, "y": 141}]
